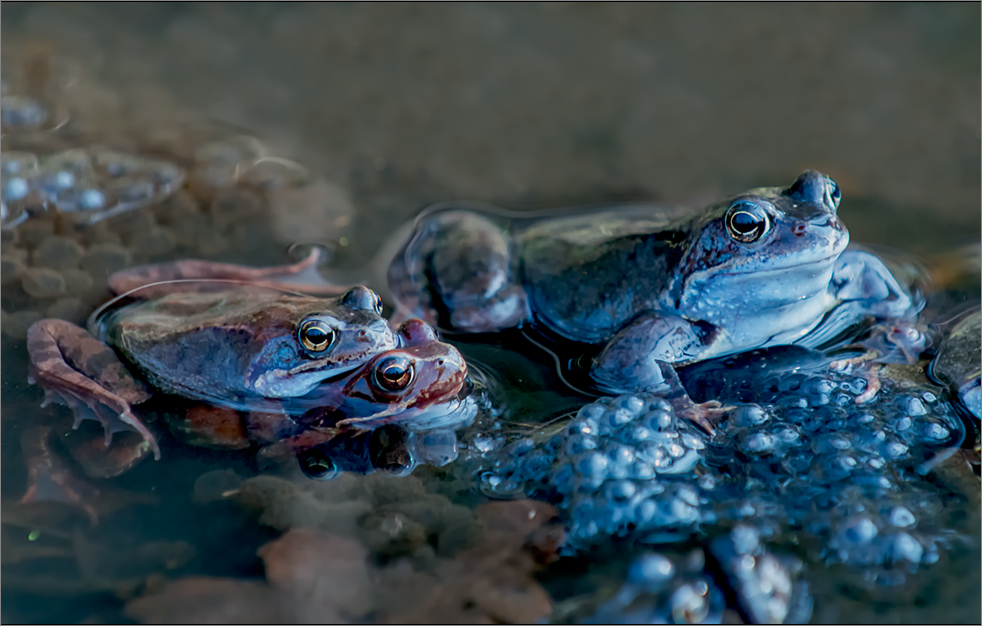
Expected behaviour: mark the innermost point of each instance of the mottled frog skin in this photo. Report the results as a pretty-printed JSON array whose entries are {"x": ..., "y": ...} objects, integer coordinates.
[{"x": 650, "y": 285}]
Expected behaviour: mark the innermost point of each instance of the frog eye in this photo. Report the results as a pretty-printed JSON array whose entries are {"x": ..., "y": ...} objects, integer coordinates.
[
  {"x": 832, "y": 194},
  {"x": 394, "y": 373},
  {"x": 378, "y": 304},
  {"x": 316, "y": 336},
  {"x": 747, "y": 222},
  {"x": 317, "y": 465}
]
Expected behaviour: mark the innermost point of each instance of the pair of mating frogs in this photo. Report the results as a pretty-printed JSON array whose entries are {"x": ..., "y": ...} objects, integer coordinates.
[{"x": 641, "y": 288}]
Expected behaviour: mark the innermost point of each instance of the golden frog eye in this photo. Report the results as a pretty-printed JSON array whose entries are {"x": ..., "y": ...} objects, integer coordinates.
[
  {"x": 747, "y": 221},
  {"x": 316, "y": 336},
  {"x": 394, "y": 373}
]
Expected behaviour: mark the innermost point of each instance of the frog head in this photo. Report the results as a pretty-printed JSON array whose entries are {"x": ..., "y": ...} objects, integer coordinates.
[
  {"x": 243, "y": 342},
  {"x": 759, "y": 264}
]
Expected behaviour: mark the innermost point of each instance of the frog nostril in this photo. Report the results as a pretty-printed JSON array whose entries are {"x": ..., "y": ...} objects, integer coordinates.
[{"x": 799, "y": 229}]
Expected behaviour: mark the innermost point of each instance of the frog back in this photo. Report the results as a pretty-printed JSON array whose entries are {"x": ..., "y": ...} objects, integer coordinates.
[{"x": 573, "y": 268}]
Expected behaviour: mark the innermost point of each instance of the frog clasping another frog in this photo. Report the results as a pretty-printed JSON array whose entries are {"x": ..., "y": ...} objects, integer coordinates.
[{"x": 204, "y": 339}]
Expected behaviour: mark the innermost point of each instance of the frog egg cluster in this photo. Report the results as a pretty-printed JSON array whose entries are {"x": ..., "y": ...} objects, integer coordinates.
[
  {"x": 670, "y": 588},
  {"x": 621, "y": 464},
  {"x": 664, "y": 588},
  {"x": 92, "y": 184},
  {"x": 848, "y": 474},
  {"x": 19, "y": 113},
  {"x": 75, "y": 216},
  {"x": 769, "y": 587}
]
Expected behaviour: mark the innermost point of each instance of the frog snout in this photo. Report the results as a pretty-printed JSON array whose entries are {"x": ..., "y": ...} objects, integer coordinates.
[
  {"x": 816, "y": 189},
  {"x": 416, "y": 332}
]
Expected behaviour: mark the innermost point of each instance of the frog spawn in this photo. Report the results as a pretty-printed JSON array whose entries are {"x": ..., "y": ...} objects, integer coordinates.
[
  {"x": 667, "y": 587},
  {"x": 845, "y": 474},
  {"x": 90, "y": 184},
  {"x": 622, "y": 463}
]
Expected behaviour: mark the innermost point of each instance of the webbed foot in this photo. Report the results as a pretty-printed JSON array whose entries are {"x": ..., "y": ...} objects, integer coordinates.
[
  {"x": 705, "y": 415},
  {"x": 77, "y": 370}
]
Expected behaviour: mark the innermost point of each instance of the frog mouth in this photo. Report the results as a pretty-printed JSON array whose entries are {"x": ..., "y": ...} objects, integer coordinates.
[{"x": 821, "y": 261}]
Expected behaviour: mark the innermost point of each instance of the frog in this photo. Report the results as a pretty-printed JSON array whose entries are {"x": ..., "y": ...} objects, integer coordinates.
[
  {"x": 421, "y": 384},
  {"x": 405, "y": 375},
  {"x": 210, "y": 332},
  {"x": 644, "y": 288},
  {"x": 388, "y": 412},
  {"x": 957, "y": 363}
]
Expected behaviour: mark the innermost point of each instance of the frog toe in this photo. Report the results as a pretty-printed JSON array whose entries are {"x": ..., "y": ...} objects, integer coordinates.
[
  {"x": 111, "y": 411},
  {"x": 77, "y": 370}
]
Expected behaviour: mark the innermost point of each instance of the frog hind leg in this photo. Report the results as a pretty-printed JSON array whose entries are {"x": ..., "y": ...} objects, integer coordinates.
[
  {"x": 156, "y": 279},
  {"x": 639, "y": 358},
  {"x": 457, "y": 272},
  {"x": 77, "y": 370}
]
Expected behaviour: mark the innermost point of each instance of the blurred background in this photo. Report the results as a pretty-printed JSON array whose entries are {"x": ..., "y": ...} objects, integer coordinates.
[{"x": 528, "y": 105}]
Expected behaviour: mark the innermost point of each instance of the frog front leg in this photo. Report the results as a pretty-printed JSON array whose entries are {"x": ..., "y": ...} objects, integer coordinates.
[
  {"x": 76, "y": 369},
  {"x": 863, "y": 288},
  {"x": 639, "y": 359},
  {"x": 457, "y": 272}
]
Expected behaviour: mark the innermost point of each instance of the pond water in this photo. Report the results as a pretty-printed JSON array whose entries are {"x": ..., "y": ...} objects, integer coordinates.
[{"x": 254, "y": 127}]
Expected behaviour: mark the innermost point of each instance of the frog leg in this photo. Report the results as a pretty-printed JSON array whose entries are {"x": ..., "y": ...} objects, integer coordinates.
[
  {"x": 49, "y": 479},
  {"x": 861, "y": 279},
  {"x": 107, "y": 460},
  {"x": 76, "y": 369},
  {"x": 457, "y": 272},
  {"x": 639, "y": 359},
  {"x": 152, "y": 280},
  {"x": 864, "y": 288}
]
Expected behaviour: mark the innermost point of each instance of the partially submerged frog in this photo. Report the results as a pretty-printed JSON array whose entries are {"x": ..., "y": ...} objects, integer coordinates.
[
  {"x": 651, "y": 287},
  {"x": 421, "y": 384},
  {"x": 959, "y": 361},
  {"x": 207, "y": 340}
]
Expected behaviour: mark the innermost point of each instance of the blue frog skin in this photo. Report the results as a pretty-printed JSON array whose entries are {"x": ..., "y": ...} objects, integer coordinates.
[{"x": 650, "y": 286}]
